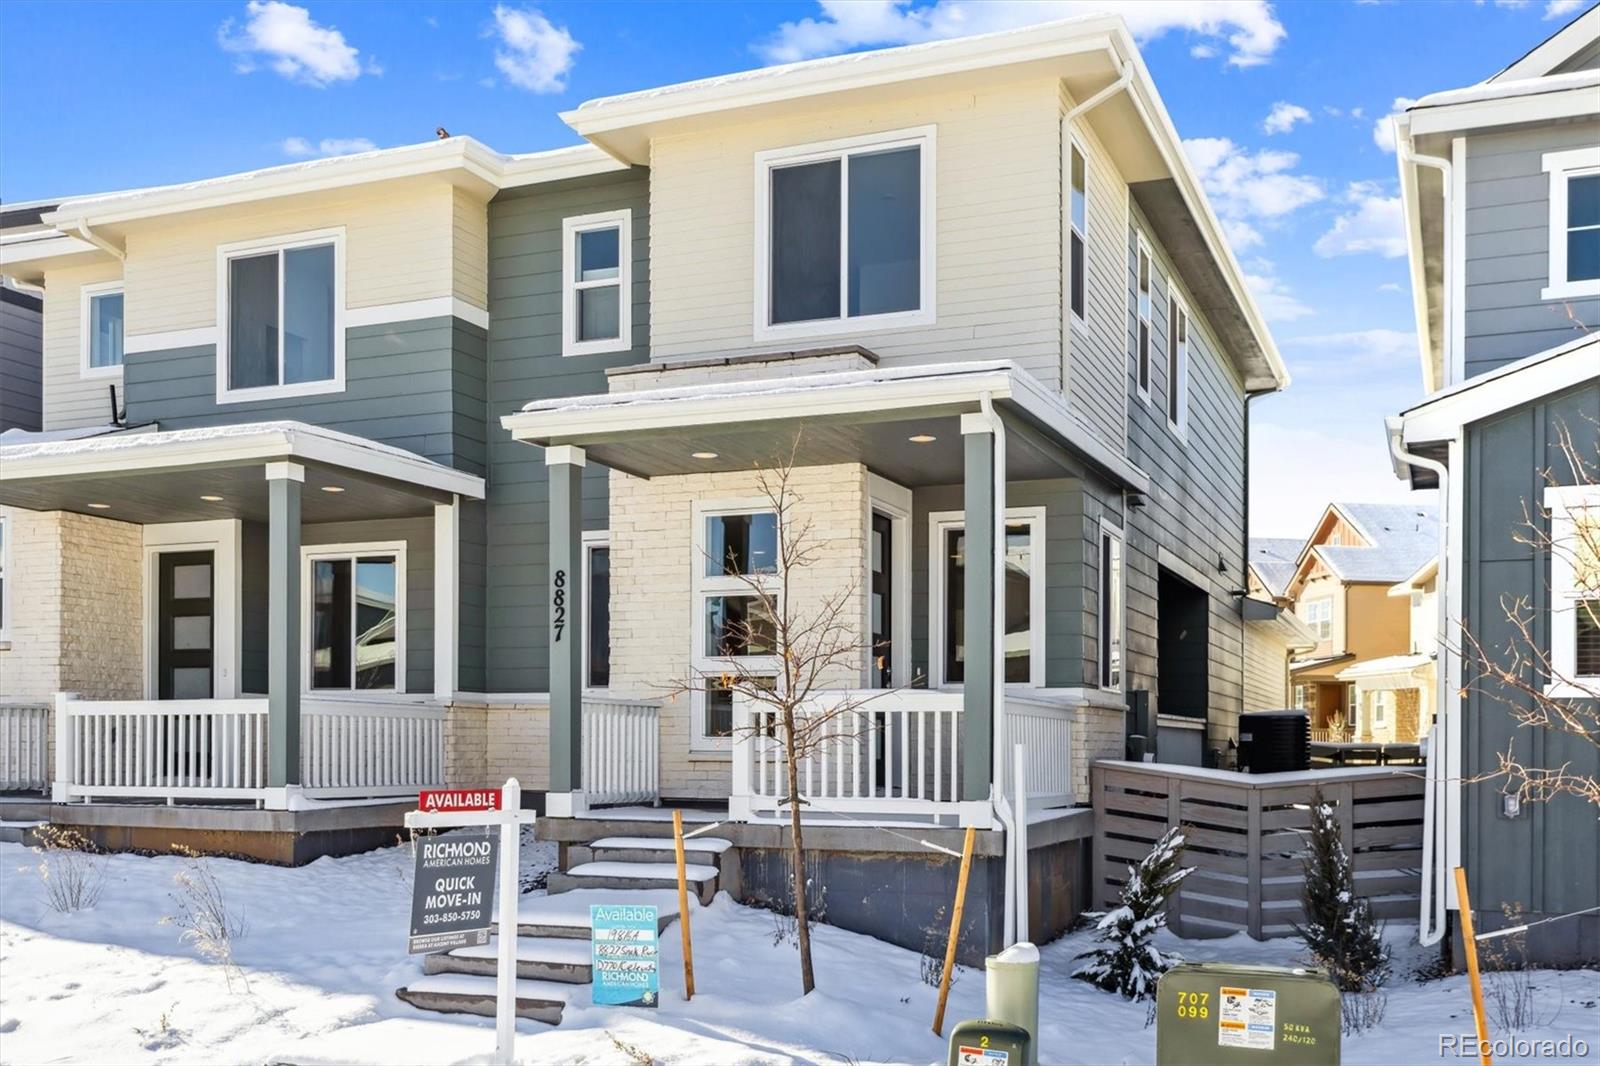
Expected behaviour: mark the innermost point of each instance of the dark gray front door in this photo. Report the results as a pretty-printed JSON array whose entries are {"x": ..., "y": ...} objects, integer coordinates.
[{"x": 185, "y": 625}]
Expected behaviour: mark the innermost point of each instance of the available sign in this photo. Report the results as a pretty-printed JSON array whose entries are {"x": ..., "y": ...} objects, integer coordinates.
[
  {"x": 452, "y": 900},
  {"x": 458, "y": 799},
  {"x": 625, "y": 956}
]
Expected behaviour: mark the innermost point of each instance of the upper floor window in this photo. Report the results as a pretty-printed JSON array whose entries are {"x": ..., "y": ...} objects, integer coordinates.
[
  {"x": 1319, "y": 616},
  {"x": 1574, "y": 223},
  {"x": 1141, "y": 337},
  {"x": 101, "y": 329},
  {"x": 282, "y": 317},
  {"x": 1177, "y": 366},
  {"x": 597, "y": 283},
  {"x": 845, "y": 235},
  {"x": 1078, "y": 241},
  {"x": 1574, "y": 590}
]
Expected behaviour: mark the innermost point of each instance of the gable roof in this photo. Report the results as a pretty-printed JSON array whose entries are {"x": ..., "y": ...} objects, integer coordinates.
[
  {"x": 1400, "y": 538},
  {"x": 1273, "y": 560},
  {"x": 1573, "y": 41}
]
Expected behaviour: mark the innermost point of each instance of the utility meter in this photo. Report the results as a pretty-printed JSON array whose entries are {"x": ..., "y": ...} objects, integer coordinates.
[{"x": 1225, "y": 1015}]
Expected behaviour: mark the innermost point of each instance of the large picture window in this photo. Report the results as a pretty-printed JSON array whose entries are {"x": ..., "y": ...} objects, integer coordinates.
[
  {"x": 1574, "y": 223},
  {"x": 1023, "y": 630},
  {"x": 597, "y": 283},
  {"x": 845, "y": 235},
  {"x": 282, "y": 318},
  {"x": 355, "y": 628},
  {"x": 735, "y": 576},
  {"x": 101, "y": 329}
]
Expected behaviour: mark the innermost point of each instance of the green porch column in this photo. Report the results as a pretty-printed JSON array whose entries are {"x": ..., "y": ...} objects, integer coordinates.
[
  {"x": 283, "y": 623},
  {"x": 565, "y": 467},
  {"x": 978, "y": 606}
]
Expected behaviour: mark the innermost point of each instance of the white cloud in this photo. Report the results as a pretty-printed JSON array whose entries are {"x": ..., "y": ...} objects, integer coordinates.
[
  {"x": 1391, "y": 286},
  {"x": 301, "y": 148},
  {"x": 1277, "y": 301},
  {"x": 1248, "y": 29},
  {"x": 533, "y": 53},
  {"x": 285, "y": 38},
  {"x": 1283, "y": 117},
  {"x": 1383, "y": 129},
  {"x": 1242, "y": 184},
  {"x": 1373, "y": 224},
  {"x": 1559, "y": 8},
  {"x": 1351, "y": 354}
]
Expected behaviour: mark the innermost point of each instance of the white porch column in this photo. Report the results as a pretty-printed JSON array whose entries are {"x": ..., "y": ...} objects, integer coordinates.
[
  {"x": 564, "y": 464},
  {"x": 446, "y": 596}
]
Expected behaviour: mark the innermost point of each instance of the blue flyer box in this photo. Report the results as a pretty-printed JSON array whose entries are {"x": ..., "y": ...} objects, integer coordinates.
[{"x": 625, "y": 956}]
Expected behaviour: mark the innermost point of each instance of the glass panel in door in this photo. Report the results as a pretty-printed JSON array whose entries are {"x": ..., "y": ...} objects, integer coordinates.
[{"x": 185, "y": 626}]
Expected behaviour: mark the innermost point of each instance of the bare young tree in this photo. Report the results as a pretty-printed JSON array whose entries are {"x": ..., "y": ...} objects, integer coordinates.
[
  {"x": 1522, "y": 675},
  {"x": 811, "y": 701}
]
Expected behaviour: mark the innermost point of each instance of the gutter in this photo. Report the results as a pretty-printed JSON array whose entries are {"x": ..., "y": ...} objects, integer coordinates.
[
  {"x": 81, "y": 228},
  {"x": 1408, "y": 155}
]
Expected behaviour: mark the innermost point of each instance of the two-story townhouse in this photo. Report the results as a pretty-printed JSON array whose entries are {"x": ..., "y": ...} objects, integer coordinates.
[
  {"x": 1501, "y": 190},
  {"x": 971, "y": 289},
  {"x": 1274, "y": 635}
]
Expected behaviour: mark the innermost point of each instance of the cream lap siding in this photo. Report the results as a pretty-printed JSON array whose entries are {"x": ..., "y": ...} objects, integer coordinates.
[
  {"x": 469, "y": 245},
  {"x": 998, "y": 233},
  {"x": 70, "y": 400},
  {"x": 1266, "y": 668},
  {"x": 399, "y": 241}
]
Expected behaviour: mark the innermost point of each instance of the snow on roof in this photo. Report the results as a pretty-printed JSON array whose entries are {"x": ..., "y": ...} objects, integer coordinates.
[
  {"x": 1503, "y": 90},
  {"x": 1389, "y": 664},
  {"x": 1273, "y": 559},
  {"x": 1402, "y": 538}
]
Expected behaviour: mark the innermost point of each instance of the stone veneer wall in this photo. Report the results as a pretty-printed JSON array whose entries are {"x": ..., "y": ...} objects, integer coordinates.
[
  {"x": 1098, "y": 732},
  {"x": 652, "y": 563}
]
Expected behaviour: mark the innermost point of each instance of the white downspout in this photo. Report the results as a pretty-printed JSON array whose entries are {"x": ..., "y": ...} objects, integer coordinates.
[
  {"x": 1446, "y": 310},
  {"x": 1124, "y": 79},
  {"x": 1436, "y": 836},
  {"x": 81, "y": 228},
  {"x": 997, "y": 776}
]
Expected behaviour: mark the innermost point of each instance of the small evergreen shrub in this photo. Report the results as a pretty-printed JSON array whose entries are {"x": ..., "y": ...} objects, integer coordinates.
[
  {"x": 1126, "y": 962},
  {"x": 1339, "y": 928}
]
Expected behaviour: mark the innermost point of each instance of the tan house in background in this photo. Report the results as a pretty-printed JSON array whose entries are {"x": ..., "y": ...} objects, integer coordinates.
[
  {"x": 1358, "y": 582},
  {"x": 1274, "y": 636}
]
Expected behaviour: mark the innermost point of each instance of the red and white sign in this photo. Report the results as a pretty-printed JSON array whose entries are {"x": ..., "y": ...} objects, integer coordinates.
[{"x": 458, "y": 799}]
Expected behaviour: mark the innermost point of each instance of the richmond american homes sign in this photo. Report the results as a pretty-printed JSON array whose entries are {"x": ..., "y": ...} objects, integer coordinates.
[{"x": 452, "y": 900}]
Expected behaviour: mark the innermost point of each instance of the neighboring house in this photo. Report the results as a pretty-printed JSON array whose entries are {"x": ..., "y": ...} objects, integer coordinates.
[
  {"x": 331, "y": 540},
  {"x": 1501, "y": 189},
  {"x": 1274, "y": 636}
]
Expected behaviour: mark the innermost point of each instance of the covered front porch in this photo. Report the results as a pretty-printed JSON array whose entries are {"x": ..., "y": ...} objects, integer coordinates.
[
  {"x": 277, "y": 604},
  {"x": 962, "y": 515}
]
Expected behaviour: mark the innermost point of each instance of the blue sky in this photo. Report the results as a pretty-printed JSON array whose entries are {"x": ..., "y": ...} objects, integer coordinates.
[{"x": 1278, "y": 104}]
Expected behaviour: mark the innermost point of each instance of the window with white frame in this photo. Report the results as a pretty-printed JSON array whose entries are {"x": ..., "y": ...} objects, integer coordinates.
[
  {"x": 1177, "y": 366},
  {"x": 355, "y": 617},
  {"x": 735, "y": 590},
  {"x": 845, "y": 235},
  {"x": 597, "y": 283},
  {"x": 597, "y": 610},
  {"x": 1022, "y": 634},
  {"x": 281, "y": 311},
  {"x": 1112, "y": 614},
  {"x": 1318, "y": 615},
  {"x": 1300, "y": 697},
  {"x": 1574, "y": 223},
  {"x": 100, "y": 328},
  {"x": 1141, "y": 337},
  {"x": 5, "y": 578},
  {"x": 1574, "y": 591},
  {"x": 1380, "y": 707},
  {"x": 1078, "y": 240}
]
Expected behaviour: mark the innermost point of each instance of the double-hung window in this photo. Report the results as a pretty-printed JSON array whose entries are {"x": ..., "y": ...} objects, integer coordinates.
[
  {"x": 281, "y": 311},
  {"x": 1319, "y": 617},
  {"x": 100, "y": 327},
  {"x": 1141, "y": 336},
  {"x": 1177, "y": 366},
  {"x": 844, "y": 235},
  {"x": 597, "y": 283},
  {"x": 1022, "y": 631},
  {"x": 1111, "y": 621},
  {"x": 597, "y": 610},
  {"x": 1078, "y": 238},
  {"x": 1574, "y": 591},
  {"x": 356, "y": 606},
  {"x": 735, "y": 594},
  {"x": 1574, "y": 223}
]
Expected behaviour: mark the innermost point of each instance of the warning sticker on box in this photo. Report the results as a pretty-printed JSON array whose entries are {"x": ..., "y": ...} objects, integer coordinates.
[
  {"x": 1248, "y": 1018},
  {"x": 981, "y": 1056}
]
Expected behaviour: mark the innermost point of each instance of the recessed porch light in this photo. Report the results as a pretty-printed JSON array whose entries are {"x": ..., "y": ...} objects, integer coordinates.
[
  {"x": 212, "y": 499},
  {"x": 332, "y": 488},
  {"x": 922, "y": 438},
  {"x": 99, "y": 507},
  {"x": 702, "y": 455}
]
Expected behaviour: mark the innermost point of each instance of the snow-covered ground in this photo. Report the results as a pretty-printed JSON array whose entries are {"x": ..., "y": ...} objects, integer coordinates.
[{"x": 324, "y": 950}]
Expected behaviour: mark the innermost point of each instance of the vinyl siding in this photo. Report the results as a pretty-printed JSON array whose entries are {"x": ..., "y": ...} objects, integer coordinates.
[
  {"x": 21, "y": 359},
  {"x": 1266, "y": 668},
  {"x": 70, "y": 400},
  {"x": 998, "y": 189},
  {"x": 525, "y": 363},
  {"x": 1508, "y": 244}
]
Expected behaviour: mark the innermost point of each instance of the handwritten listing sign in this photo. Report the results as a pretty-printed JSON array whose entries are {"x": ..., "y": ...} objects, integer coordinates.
[{"x": 625, "y": 956}]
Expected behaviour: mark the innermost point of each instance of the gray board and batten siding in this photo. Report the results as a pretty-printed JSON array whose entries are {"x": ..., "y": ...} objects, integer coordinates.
[{"x": 21, "y": 359}]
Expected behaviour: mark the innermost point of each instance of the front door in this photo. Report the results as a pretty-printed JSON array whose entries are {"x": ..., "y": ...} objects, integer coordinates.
[{"x": 185, "y": 625}]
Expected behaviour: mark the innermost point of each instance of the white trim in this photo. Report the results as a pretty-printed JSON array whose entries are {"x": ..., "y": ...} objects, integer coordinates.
[
  {"x": 565, "y": 455},
  {"x": 592, "y": 539},
  {"x": 1117, "y": 533},
  {"x": 1553, "y": 51},
  {"x": 923, "y": 138},
  {"x": 702, "y": 588},
  {"x": 942, "y": 522},
  {"x": 1563, "y": 502},
  {"x": 571, "y": 228},
  {"x": 310, "y": 553},
  {"x": 225, "y": 394},
  {"x": 5, "y": 578},
  {"x": 1562, "y": 168},
  {"x": 415, "y": 310},
  {"x": 86, "y": 297},
  {"x": 169, "y": 339},
  {"x": 1314, "y": 624},
  {"x": 1541, "y": 374},
  {"x": 894, "y": 501},
  {"x": 282, "y": 471},
  {"x": 1545, "y": 100},
  {"x": 1144, "y": 298},
  {"x": 1177, "y": 359},
  {"x": 1075, "y": 144},
  {"x": 222, "y": 538},
  {"x": 1454, "y": 283},
  {"x": 446, "y": 597}
]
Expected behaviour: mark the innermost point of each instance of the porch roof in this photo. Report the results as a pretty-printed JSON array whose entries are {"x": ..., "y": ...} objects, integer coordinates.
[
  {"x": 865, "y": 416},
  {"x": 162, "y": 476}
]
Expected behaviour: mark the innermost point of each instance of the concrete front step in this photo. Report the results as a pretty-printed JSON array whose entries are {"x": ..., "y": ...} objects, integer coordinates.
[
  {"x": 562, "y": 959},
  {"x": 21, "y": 831},
  {"x": 636, "y": 876},
  {"x": 459, "y": 993},
  {"x": 566, "y": 915}
]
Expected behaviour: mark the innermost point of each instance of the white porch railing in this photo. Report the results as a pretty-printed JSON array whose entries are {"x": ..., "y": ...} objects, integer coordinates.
[
  {"x": 1043, "y": 726},
  {"x": 176, "y": 750},
  {"x": 621, "y": 750},
  {"x": 24, "y": 747}
]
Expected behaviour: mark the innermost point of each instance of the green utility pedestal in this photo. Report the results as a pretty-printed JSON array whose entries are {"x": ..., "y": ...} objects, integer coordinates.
[
  {"x": 988, "y": 1043},
  {"x": 1226, "y": 1015}
]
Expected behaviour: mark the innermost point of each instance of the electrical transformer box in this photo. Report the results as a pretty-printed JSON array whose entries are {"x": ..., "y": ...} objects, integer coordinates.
[
  {"x": 985, "y": 1042},
  {"x": 1225, "y": 1015}
]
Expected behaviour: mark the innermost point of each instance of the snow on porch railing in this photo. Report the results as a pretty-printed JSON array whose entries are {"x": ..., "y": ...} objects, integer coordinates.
[
  {"x": 621, "y": 750},
  {"x": 160, "y": 749},
  {"x": 366, "y": 747},
  {"x": 24, "y": 746},
  {"x": 1043, "y": 727}
]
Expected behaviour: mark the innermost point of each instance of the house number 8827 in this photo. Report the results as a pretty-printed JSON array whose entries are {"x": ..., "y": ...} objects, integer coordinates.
[{"x": 558, "y": 603}]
